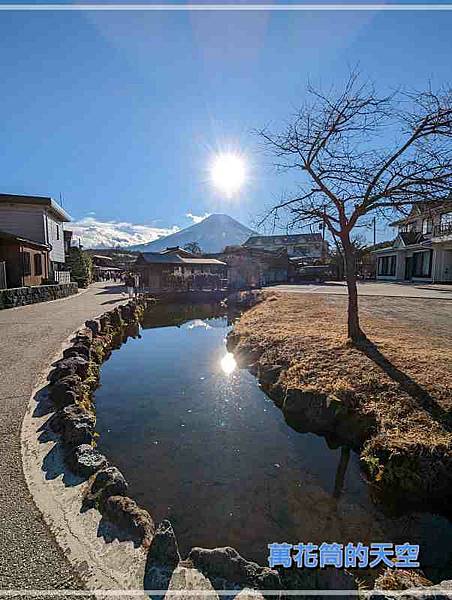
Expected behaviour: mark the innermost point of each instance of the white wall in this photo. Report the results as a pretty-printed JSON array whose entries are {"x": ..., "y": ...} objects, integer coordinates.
[
  {"x": 442, "y": 264},
  {"x": 55, "y": 238},
  {"x": 34, "y": 223}
]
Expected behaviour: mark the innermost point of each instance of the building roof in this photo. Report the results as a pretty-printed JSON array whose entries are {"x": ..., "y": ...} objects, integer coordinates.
[
  {"x": 253, "y": 251},
  {"x": 108, "y": 269},
  {"x": 284, "y": 239},
  {"x": 102, "y": 257},
  {"x": 180, "y": 251},
  {"x": 174, "y": 259},
  {"x": 10, "y": 237},
  {"x": 424, "y": 207},
  {"x": 43, "y": 201},
  {"x": 409, "y": 238},
  {"x": 202, "y": 261}
]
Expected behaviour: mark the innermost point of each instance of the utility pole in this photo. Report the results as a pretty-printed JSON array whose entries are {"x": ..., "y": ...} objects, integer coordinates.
[
  {"x": 323, "y": 233},
  {"x": 375, "y": 230}
]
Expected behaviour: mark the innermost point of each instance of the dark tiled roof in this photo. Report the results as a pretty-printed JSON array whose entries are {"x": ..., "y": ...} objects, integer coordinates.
[
  {"x": 285, "y": 239},
  {"x": 157, "y": 258},
  {"x": 253, "y": 251},
  {"x": 173, "y": 259}
]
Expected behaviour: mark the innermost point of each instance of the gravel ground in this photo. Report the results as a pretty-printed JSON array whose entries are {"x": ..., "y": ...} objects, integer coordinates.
[
  {"x": 30, "y": 336},
  {"x": 373, "y": 288},
  {"x": 430, "y": 317}
]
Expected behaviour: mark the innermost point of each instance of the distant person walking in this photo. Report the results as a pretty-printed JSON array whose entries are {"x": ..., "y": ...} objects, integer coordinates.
[{"x": 130, "y": 284}]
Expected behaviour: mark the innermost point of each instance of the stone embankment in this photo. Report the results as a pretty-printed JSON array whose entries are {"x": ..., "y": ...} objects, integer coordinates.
[
  {"x": 71, "y": 386},
  {"x": 13, "y": 297}
]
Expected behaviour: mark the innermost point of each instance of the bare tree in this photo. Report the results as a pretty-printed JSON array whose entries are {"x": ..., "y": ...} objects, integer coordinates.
[{"x": 359, "y": 153}]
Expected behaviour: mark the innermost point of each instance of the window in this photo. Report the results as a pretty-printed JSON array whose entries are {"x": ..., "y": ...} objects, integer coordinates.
[
  {"x": 26, "y": 262},
  {"x": 57, "y": 232},
  {"x": 387, "y": 265},
  {"x": 38, "y": 264},
  {"x": 446, "y": 218},
  {"x": 422, "y": 264},
  {"x": 427, "y": 226}
]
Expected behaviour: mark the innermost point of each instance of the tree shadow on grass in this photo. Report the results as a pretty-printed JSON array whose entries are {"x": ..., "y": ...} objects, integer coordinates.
[{"x": 419, "y": 394}]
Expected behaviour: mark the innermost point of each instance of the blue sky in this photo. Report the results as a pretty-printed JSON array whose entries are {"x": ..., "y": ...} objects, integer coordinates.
[{"x": 121, "y": 112}]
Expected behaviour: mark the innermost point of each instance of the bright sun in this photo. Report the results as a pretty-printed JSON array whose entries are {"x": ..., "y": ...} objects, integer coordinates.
[{"x": 228, "y": 173}]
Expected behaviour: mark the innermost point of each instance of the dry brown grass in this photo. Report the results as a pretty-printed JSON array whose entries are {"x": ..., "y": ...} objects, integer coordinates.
[{"x": 403, "y": 379}]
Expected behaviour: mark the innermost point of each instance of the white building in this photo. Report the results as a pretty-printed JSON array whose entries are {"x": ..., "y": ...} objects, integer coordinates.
[
  {"x": 36, "y": 218},
  {"x": 422, "y": 250}
]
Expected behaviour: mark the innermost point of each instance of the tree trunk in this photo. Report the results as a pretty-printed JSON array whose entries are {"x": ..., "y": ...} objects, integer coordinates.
[{"x": 354, "y": 330}]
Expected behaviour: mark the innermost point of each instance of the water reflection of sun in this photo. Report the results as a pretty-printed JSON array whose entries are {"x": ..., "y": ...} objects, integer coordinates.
[{"x": 228, "y": 363}]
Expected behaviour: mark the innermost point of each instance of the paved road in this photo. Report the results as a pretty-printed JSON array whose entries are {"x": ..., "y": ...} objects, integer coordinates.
[
  {"x": 374, "y": 288},
  {"x": 30, "y": 336}
]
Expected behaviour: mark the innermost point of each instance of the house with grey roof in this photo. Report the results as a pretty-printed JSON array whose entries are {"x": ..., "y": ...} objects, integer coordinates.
[
  {"x": 422, "y": 250},
  {"x": 178, "y": 269}
]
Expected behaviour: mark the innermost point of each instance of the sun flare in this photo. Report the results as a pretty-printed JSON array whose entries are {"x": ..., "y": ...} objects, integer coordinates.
[
  {"x": 228, "y": 363},
  {"x": 228, "y": 173}
]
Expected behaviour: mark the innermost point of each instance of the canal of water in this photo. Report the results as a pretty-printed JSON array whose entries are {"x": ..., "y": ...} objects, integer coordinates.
[{"x": 202, "y": 445}]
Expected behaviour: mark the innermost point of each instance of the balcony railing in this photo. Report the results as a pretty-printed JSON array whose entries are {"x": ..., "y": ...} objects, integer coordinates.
[{"x": 442, "y": 229}]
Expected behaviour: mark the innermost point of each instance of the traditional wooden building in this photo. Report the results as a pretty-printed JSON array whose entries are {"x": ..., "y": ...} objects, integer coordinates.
[
  {"x": 177, "y": 269},
  {"x": 23, "y": 262}
]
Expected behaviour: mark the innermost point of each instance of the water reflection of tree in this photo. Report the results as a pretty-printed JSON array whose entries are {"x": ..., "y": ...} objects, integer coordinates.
[
  {"x": 341, "y": 471},
  {"x": 298, "y": 506}
]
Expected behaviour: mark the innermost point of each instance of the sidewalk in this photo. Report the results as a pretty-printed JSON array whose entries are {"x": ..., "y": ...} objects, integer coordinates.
[{"x": 30, "y": 336}]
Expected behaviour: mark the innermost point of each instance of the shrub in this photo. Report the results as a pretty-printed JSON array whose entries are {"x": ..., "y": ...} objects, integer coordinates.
[{"x": 81, "y": 266}]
